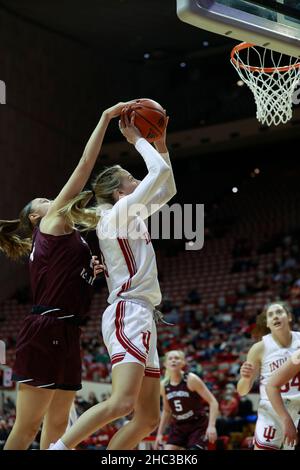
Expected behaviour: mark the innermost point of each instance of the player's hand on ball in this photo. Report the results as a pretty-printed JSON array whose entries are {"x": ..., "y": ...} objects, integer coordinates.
[
  {"x": 163, "y": 137},
  {"x": 115, "y": 111},
  {"x": 127, "y": 127}
]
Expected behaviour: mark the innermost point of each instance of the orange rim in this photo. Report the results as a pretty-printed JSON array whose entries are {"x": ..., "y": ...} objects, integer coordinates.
[{"x": 248, "y": 45}]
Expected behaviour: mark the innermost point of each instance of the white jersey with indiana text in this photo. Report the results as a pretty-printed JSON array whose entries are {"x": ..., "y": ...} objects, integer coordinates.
[
  {"x": 130, "y": 266},
  {"x": 126, "y": 249},
  {"x": 274, "y": 356}
]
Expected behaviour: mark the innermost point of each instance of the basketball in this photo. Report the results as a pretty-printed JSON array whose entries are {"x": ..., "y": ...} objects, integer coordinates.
[{"x": 150, "y": 118}]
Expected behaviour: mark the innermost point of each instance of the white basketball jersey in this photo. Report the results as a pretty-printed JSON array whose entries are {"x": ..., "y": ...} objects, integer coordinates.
[
  {"x": 130, "y": 264},
  {"x": 274, "y": 356},
  {"x": 127, "y": 251}
]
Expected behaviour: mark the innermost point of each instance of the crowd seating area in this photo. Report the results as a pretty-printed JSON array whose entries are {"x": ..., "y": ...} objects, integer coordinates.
[{"x": 251, "y": 255}]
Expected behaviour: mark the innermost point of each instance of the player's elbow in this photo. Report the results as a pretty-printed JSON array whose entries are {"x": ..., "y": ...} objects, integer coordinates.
[
  {"x": 215, "y": 404},
  {"x": 165, "y": 170},
  {"x": 271, "y": 388},
  {"x": 242, "y": 389},
  {"x": 173, "y": 191}
]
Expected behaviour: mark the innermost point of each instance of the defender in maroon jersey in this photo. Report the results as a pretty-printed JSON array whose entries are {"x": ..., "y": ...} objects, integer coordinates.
[
  {"x": 48, "y": 365},
  {"x": 48, "y": 345},
  {"x": 190, "y": 428}
]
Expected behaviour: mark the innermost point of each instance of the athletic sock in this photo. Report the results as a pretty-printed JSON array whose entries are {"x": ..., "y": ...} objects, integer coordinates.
[{"x": 59, "y": 445}]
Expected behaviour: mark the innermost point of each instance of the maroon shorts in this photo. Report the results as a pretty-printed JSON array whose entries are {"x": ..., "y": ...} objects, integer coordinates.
[
  {"x": 48, "y": 353},
  {"x": 189, "y": 434}
]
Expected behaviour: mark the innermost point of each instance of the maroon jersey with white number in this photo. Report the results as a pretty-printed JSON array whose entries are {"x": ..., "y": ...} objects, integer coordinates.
[
  {"x": 60, "y": 271},
  {"x": 185, "y": 404}
]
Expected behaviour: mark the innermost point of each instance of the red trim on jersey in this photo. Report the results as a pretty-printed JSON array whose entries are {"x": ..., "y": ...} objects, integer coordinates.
[
  {"x": 146, "y": 339},
  {"x": 264, "y": 446},
  {"x": 122, "y": 338},
  {"x": 130, "y": 254},
  {"x": 115, "y": 358},
  {"x": 151, "y": 372},
  {"x": 130, "y": 262}
]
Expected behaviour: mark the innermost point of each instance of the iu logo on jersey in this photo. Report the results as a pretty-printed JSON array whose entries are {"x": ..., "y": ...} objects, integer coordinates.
[{"x": 269, "y": 433}]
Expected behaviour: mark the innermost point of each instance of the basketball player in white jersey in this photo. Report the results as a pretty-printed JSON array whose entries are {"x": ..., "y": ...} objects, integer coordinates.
[
  {"x": 289, "y": 371},
  {"x": 265, "y": 357},
  {"x": 128, "y": 326}
]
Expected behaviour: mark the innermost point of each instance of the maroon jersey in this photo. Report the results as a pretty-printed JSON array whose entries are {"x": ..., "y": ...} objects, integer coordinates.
[
  {"x": 185, "y": 404},
  {"x": 60, "y": 271}
]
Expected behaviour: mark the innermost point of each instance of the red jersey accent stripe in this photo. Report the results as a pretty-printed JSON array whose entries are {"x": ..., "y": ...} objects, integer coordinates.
[
  {"x": 131, "y": 255},
  {"x": 152, "y": 374},
  {"x": 118, "y": 354},
  {"x": 122, "y": 338},
  {"x": 264, "y": 446},
  {"x": 116, "y": 359},
  {"x": 130, "y": 263},
  {"x": 126, "y": 339}
]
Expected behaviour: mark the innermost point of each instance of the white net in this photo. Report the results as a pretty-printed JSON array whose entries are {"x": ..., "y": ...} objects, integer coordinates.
[{"x": 273, "y": 79}]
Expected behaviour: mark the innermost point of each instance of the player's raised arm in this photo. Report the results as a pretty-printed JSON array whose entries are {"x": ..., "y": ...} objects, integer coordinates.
[
  {"x": 158, "y": 173},
  {"x": 83, "y": 170},
  {"x": 168, "y": 190}
]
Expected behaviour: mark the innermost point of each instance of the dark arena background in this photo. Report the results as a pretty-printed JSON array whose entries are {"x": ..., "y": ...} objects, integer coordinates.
[{"x": 64, "y": 62}]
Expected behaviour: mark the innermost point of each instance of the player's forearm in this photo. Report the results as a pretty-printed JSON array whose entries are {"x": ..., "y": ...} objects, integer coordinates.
[
  {"x": 213, "y": 413},
  {"x": 158, "y": 173},
  {"x": 161, "y": 147},
  {"x": 154, "y": 161},
  {"x": 94, "y": 143},
  {"x": 244, "y": 386},
  {"x": 164, "y": 421},
  {"x": 170, "y": 183},
  {"x": 275, "y": 398}
]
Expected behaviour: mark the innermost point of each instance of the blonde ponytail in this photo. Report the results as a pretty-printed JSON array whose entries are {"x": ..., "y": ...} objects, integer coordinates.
[
  {"x": 75, "y": 212},
  {"x": 12, "y": 244},
  {"x": 106, "y": 183}
]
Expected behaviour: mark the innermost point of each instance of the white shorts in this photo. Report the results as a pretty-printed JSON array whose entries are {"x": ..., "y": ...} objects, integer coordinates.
[
  {"x": 268, "y": 431},
  {"x": 129, "y": 333}
]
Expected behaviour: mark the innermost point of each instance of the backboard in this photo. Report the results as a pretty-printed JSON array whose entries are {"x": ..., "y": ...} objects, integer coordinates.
[{"x": 273, "y": 24}]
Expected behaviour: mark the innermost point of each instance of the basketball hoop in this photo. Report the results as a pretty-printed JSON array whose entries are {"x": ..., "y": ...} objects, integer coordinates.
[{"x": 272, "y": 82}]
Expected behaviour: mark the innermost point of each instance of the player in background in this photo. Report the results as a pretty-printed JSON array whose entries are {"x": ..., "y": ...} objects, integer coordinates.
[
  {"x": 278, "y": 343},
  {"x": 48, "y": 362},
  {"x": 289, "y": 371},
  {"x": 128, "y": 325},
  {"x": 182, "y": 392}
]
